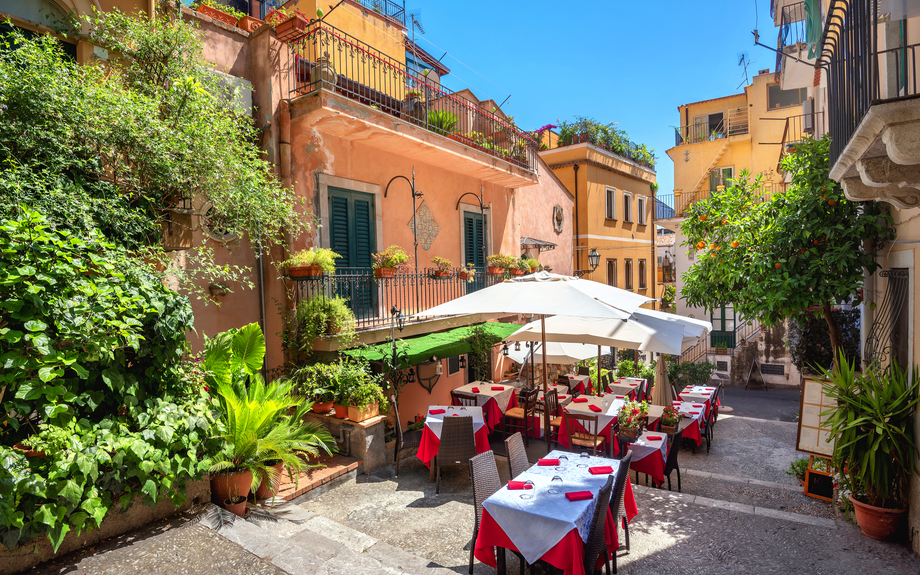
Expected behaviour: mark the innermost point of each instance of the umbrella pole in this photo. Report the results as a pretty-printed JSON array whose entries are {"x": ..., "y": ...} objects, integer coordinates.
[
  {"x": 546, "y": 428},
  {"x": 597, "y": 390},
  {"x": 636, "y": 361}
]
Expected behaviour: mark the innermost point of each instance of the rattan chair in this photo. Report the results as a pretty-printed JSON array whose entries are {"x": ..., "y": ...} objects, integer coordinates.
[
  {"x": 617, "y": 501},
  {"x": 485, "y": 482},
  {"x": 467, "y": 399},
  {"x": 596, "y": 543},
  {"x": 586, "y": 437},
  {"x": 458, "y": 445},
  {"x": 670, "y": 463},
  {"x": 522, "y": 417},
  {"x": 517, "y": 456},
  {"x": 404, "y": 440}
]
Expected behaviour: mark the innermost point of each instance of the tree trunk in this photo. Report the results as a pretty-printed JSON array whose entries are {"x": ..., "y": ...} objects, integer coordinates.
[{"x": 833, "y": 330}]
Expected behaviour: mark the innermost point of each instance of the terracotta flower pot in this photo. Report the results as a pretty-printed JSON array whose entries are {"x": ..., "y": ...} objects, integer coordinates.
[
  {"x": 217, "y": 15},
  {"x": 322, "y": 407},
  {"x": 341, "y": 411},
  {"x": 265, "y": 489},
  {"x": 29, "y": 452},
  {"x": 249, "y": 24},
  {"x": 305, "y": 271},
  {"x": 224, "y": 485},
  {"x": 238, "y": 508},
  {"x": 464, "y": 275},
  {"x": 877, "y": 522},
  {"x": 669, "y": 429},
  {"x": 442, "y": 274},
  {"x": 494, "y": 271},
  {"x": 360, "y": 414},
  {"x": 291, "y": 29},
  {"x": 629, "y": 432},
  {"x": 516, "y": 272},
  {"x": 384, "y": 272}
]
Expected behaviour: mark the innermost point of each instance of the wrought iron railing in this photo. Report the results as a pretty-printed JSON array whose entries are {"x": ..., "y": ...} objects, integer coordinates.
[
  {"x": 861, "y": 70},
  {"x": 722, "y": 342},
  {"x": 370, "y": 298},
  {"x": 393, "y": 10},
  {"x": 798, "y": 128},
  {"x": 626, "y": 148},
  {"x": 328, "y": 58},
  {"x": 791, "y": 32},
  {"x": 734, "y": 122},
  {"x": 676, "y": 204}
]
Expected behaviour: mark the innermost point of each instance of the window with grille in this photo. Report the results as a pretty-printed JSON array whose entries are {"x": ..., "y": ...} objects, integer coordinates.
[
  {"x": 612, "y": 273},
  {"x": 721, "y": 366},
  {"x": 627, "y": 207},
  {"x": 642, "y": 283},
  {"x": 611, "y": 206},
  {"x": 640, "y": 207},
  {"x": 629, "y": 274},
  {"x": 773, "y": 369},
  {"x": 453, "y": 365}
]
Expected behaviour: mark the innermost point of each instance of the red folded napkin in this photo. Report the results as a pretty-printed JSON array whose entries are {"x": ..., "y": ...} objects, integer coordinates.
[
  {"x": 600, "y": 470},
  {"x": 595, "y": 408},
  {"x": 519, "y": 485},
  {"x": 621, "y": 397},
  {"x": 436, "y": 411},
  {"x": 580, "y": 400},
  {"x": 548, "y": 462},
  {"x": 694, "y": 413},
  {"x": 653, "y": 437},
  {"x": 561, "y": 396},
  {"x": 498, "y": 388},
  {"x": 475, "y": 390},
  {"x": 697, "y": 405},
  {"x": 633, "y": 384},
  {"x": 455, "y": 415},
  {"x": 579, "y": 495}
]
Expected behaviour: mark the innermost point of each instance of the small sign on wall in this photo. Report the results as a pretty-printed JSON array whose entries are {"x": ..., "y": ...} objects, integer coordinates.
[{"x": 814, "y": 437}]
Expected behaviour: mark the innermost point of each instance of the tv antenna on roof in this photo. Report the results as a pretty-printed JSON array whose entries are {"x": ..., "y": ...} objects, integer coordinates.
[{"x": 744, "y": 60}]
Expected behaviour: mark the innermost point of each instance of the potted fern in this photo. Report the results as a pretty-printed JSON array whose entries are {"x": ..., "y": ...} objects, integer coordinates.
[
  {"x": 388, "y": 261},
  {"x": 311, "y": 263},
  {"x": 444, "y": 265},
  {"x": 874, "y": 444}
]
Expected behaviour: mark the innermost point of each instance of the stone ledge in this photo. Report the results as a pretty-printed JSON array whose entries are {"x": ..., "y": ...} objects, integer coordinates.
[{"x": 311, "y": 479}]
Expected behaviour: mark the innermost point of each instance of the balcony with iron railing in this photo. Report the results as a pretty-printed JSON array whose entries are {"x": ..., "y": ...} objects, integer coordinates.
[
  {"x": 791, "y": 32},
  {"x": 395, "y": 11},
  {"x": 722, "y": 342},
  {"x": 370, "y": 298},
  {"x": 734, "y": 122},
  {"x": 676, "y": 204},
  {"x": 326, "y": 58},
  {"x": 798, "y": 128},
  {"x": 862, "y": 69}
]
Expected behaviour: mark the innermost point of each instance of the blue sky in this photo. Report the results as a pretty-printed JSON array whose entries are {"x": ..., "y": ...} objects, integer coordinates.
[{"x": 614, "y": 60}]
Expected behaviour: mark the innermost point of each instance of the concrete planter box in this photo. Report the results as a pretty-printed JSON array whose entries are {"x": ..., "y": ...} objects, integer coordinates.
[
  {"x": 116, "y": 522},
  {"x": 364, "y": 440}
]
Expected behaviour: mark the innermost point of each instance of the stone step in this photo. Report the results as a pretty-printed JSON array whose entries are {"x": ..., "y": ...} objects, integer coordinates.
[{"x": 337, "y": 468}]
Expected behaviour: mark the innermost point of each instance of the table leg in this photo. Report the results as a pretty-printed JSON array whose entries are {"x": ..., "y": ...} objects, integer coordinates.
[
  {"x": 500, "y": 566},
  {"x": 431, "y": 471}
]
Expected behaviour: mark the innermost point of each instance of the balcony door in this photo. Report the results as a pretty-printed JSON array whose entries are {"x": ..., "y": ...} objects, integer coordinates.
[
  {"x": 474, "y": 242},
  {"x": 723, "y": 327},
  {"x": 352, "y": 235}
]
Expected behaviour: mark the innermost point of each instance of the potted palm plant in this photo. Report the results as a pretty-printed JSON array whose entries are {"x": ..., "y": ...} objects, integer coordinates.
[
  {"x": 874, "y": 443},
  {"x": 444, "y": 265},
  {"x": 388, "y": 261},
  {"x": 311, "y": 263}
]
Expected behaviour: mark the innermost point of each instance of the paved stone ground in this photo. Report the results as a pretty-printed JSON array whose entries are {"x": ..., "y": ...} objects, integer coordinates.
[{"x": 776, "y": 404}]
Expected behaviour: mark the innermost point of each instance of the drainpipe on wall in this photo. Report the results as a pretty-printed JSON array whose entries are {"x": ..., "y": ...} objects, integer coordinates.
[
  {"x": 577, "y": 251},
  {"x": 654, "y": 262}
]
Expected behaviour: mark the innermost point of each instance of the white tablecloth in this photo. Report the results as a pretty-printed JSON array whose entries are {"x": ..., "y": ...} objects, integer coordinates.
[
  {"x": 486, "y": 393},
  {"x": 686, "y": 409},
  {"x": 536, "y": 525},
  {"x": 643, "y": 448},
  {"x": 609, "y": 404},
  {"x": 697, "y": 393},
  {"x": 436, "y": 421}
]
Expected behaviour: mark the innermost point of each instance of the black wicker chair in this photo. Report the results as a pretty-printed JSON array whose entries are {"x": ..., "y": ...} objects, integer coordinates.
[
  {"x": 596, "y": 543},
  {"x": 458, "y": 445},
  {"x": 404, "y": 440},
  {"x": 485, "y": 482},
  {"x": 518, "y": 462},
  {"x": 617, "y": 504}
]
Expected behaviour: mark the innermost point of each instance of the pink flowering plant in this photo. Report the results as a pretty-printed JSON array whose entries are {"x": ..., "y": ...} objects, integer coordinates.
[
  {"x": 632, "y": 414},
  {"x": 670, "y": 417}
]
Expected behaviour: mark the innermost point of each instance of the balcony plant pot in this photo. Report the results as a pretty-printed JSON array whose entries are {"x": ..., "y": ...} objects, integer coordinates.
[
  {"x": 29, "y": 452},
  {"x": 332, "y": 328},
  {"x": 266, "y": 489},
  {"x": 217, "y": 15},
  {"x": 516, "y": 271},
  {"x": 877, "y": 522},
  {"x": 322, "y": 407},
  {"x": 441, "y": 274},
  {"x": 305, "y": 271},
  {"x": 249, "y": 24},
  {"x": 341, "y": 411},
  {"x": 464, "y": 275},
  {"x": 234, "y": 482},
  {"x": 384, "y": 272},
  {"x": 669, "y": 429},
  {"x": 363, "y": 413},
  {"x": 494, "y": 271},
  {"x": 291, "y": 30},
  {"x": 238, "y": 508},
  {"x": 323, "y": 74}
]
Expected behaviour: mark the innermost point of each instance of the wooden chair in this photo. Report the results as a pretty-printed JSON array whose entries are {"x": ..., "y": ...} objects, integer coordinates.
[
  {"x": 551, "y": 405},
  {"x": 458, "y": 445},
  {"x": 522, "y": 418},
  {"x": 404, "y": 440},
  {"x": 518, "y": 462},
  {"x": 485, "y": 483},
  {"x": 585, "y": 437},
  {"x": 617, "y": 504}
]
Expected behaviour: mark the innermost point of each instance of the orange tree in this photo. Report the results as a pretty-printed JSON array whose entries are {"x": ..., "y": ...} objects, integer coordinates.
[{"x": 803, "y": 249}]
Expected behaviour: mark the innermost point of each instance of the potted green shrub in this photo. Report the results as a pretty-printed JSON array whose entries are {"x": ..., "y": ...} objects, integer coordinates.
[
  {"x": 324, "y": 316},
  {"x": 874, "y": 444},
  {"x": 317, "y": 382},
  {"x": 444, "y": 265},
  {"x": 311, "y": 263},
  {"x": 797, "y": 469},
  {"x": 468, "y": 273},
  {"x": 532, "y": 264},
  {"x": 519, "y": 267},
  {"x": 388, "y": 261},
  {"x": 442, "y": 122},
  {"x": 217, "y": 11},
  {"x": 498, "y": 263}
]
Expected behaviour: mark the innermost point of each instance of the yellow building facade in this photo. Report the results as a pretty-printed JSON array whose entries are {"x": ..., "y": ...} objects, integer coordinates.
[{"x": 613, "y": 214}]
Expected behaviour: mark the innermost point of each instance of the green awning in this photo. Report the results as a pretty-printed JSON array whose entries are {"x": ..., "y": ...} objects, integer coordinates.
[{"x": 443, "y": 344}]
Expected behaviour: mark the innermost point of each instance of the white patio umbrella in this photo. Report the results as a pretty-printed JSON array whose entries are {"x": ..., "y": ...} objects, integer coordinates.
[
  {"x": 545, "y": 294},
  {"x": 556, "y": 352}
]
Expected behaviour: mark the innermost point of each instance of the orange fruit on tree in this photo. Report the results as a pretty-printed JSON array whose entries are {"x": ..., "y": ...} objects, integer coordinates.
[
  {"x": 735, "y": 244},
  {"x": 724, "y": 222},
  {"x": 832, "y": 202},
  {"x": 712, "y": 246},
  {"x": 777, "y": 266},
  {"x": 704, "y": 218},
  {"x": 712, "y": 255}
]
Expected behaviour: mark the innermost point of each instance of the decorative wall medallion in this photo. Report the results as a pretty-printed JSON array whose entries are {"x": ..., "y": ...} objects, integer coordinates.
[
  {"x": 428, "y": 228},
  {"x": 558, "y": 218}
]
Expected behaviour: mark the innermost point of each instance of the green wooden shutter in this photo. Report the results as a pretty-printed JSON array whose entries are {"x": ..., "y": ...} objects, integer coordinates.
[
  {"x": 339, "y": 236},
  {"x": 364, "y": 233}
]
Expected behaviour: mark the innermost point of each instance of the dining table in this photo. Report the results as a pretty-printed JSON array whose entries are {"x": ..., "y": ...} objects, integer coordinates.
[
  {"x": 699, "y": 394},
  {"x": 624, "y": 386},
  {"x": 605, "y": 407},
  {"x": 434, "y": 421},
  {"x": 494, "y": 399},
  {"x": 578, "y": 383},
  {"x": 689, "y": 424},
  {"x": 650, "y": 452},
  {"x": 542, "y": 522}
]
